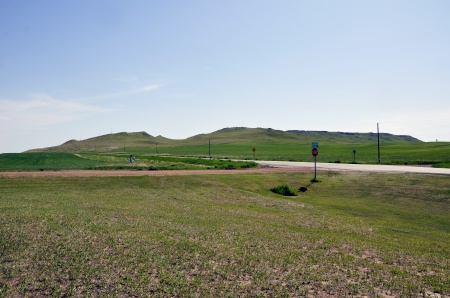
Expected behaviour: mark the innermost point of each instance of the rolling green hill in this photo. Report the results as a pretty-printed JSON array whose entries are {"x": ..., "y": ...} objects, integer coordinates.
[
  {"x": 123, "y": 141},
  {"x": 244, "y": 134},
  {"x": 269, "y": 144},
  {"x": 109, "y": 143},
  {"x": 352, "y": 137}
]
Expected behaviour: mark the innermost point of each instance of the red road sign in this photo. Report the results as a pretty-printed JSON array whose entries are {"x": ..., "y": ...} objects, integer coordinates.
[{"x": 315, "y": 151}]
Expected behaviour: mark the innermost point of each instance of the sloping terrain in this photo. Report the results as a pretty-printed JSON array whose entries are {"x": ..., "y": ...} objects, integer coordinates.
[
  {"x": 120, "y": 141},
  {"x": 109, "y": 142}
]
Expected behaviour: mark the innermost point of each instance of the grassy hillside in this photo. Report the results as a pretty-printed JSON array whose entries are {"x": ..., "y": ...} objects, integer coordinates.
[
  {"x": 351, "y": 235},
  {"x": 270, "y": 144},
  {"x": 242, "y": 134},
  {"x": 352, "y": 137},
  {"x": 122, "y": 141},
  {"x": 108, "y": 143}
]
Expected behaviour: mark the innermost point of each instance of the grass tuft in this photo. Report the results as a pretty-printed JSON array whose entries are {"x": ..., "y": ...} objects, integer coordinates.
[{"x": 284, "y": 190}]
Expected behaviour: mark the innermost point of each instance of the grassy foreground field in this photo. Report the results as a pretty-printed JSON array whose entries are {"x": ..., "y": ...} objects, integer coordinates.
[{"x": 225, "y": 236}]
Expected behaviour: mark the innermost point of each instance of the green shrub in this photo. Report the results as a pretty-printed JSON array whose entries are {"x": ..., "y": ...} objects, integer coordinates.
[
  {"x": 229, "y": 167},
  {"x": 283, "y": 190}
]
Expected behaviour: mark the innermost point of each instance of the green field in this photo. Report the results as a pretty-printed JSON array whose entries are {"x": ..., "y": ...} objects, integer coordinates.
[
  {"x": 437, "y": 154},
  {"x": 56, "y": 161},
  {"x": 415, "y": 153},
  {"x": 351, "y": 235}
]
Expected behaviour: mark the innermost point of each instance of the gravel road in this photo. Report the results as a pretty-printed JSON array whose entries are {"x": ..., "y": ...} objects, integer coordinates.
[
  {"x": 340, "y": 167},
  {"x": 265, "y": 167}
]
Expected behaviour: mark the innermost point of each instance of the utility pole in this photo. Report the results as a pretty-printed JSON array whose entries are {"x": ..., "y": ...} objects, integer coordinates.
[
  {"x": 378, "y": 133},
  {"x": 209, "y": 146}
]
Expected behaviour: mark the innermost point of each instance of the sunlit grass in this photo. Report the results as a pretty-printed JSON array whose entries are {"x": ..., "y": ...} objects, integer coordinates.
[
  {"x": 415, "y": 153},
  {"x": 55, "y": 161},
  {"x": 349, "y": 235}
]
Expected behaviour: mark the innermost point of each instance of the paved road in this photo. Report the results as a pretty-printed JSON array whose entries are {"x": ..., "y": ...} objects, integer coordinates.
[{"x": 356, "y": 167}]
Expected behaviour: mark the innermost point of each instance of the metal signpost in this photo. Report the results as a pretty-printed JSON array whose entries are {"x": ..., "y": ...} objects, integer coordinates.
[
  {"x": 378, "y": 133},
  {"x": 315, "y": 152}
]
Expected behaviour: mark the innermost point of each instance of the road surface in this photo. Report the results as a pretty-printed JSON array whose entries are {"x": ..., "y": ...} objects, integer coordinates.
[
  {"x": 339, "y": 167},
  {"x": 266, "y": 167}
]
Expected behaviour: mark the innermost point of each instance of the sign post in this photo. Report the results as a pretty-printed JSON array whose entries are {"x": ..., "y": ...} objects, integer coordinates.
[
  {"x": 315, "y": 152},
  {"x": 254, "y": 150}
]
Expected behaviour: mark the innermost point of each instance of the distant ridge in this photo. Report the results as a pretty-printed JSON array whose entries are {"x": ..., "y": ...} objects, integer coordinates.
[
  {"x": 226, "y": 135},
  {"x": 356, "y": 137}
]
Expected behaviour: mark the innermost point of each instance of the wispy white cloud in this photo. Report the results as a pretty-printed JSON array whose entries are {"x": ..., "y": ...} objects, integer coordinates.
[
  {"x": 146, "y": 88},
  {"x": 142, "y": 89},
  {"x": 41, "y": 111}
]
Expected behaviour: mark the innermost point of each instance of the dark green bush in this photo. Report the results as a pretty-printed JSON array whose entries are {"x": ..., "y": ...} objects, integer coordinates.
[{"x": 283, "y": 190}]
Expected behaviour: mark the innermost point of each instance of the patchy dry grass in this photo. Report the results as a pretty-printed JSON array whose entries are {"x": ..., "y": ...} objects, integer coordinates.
[{"x": 225, "y": 236}]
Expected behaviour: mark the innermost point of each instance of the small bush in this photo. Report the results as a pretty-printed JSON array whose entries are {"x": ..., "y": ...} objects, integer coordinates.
[{"x": 283, "y": 190}]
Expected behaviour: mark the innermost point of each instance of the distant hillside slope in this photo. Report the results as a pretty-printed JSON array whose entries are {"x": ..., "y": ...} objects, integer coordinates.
[
  {"x": 109, "y": 142},
  {"x": 123, "y": 140},
  {"x": 353, "y": 137},
  {"x": 243, "y": 134}
]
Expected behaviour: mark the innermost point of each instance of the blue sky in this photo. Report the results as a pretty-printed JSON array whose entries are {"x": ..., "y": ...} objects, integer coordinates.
[{"x": 79, "y": 69}]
